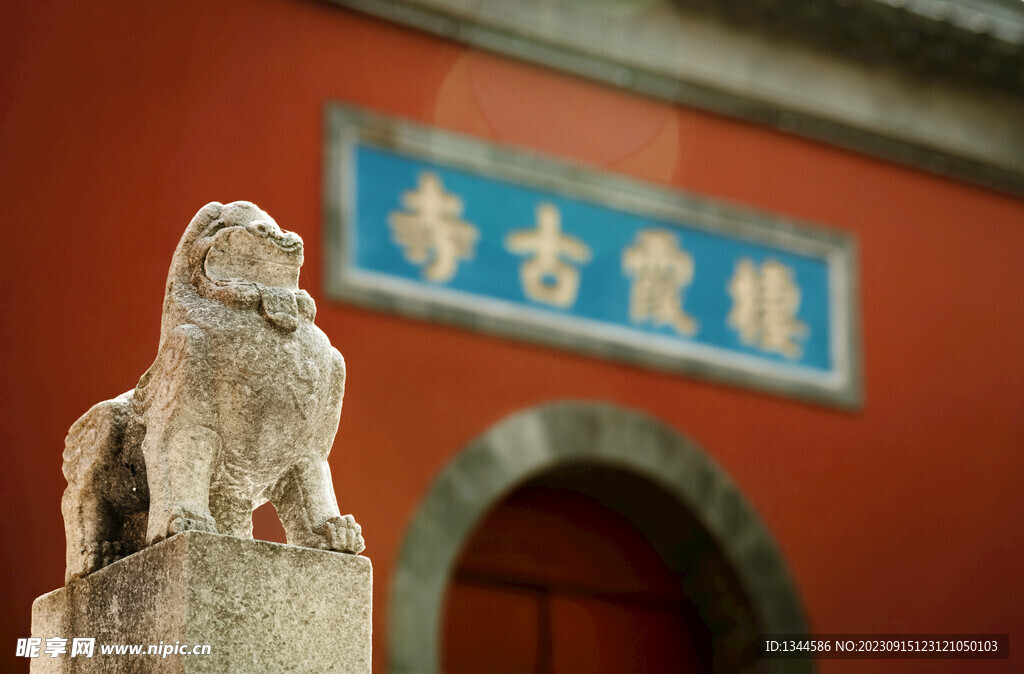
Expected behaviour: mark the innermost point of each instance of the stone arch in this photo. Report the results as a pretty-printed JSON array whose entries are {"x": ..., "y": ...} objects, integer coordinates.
[{"x": 565, "y": 438}]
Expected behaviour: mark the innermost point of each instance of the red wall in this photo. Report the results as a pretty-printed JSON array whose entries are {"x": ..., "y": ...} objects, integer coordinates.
[{"x": 120, "y": 119}]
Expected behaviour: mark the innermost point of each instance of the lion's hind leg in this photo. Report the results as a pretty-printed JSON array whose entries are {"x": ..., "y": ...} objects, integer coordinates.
[
  {"x": 232, "y": 513},
  {"x": 92, "y": 520}
]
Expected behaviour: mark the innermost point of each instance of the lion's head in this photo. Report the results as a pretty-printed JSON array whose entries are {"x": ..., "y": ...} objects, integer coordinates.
[{"x": 236, "y": 254}]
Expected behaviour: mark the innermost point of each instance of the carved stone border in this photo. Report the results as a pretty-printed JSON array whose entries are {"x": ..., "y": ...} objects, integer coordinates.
[
  {"x": 559, "y": 435},
  {"x": 346, "y": 126}
]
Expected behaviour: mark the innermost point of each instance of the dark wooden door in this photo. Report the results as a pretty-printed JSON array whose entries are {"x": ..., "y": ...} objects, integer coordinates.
[{"x": 555, "y": 582}]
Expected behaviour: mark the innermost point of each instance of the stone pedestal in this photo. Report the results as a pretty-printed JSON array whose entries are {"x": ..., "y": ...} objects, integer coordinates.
[{"x": 261, "y": 607}]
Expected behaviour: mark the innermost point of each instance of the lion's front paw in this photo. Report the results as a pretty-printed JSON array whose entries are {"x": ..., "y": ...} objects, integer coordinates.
[
  {"x": 177, "y": 519},
  {"x": 341, "y": 534}
]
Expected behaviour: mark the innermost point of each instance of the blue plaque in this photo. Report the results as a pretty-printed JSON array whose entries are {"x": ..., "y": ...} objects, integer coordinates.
[{"x": 445, "y": 227}]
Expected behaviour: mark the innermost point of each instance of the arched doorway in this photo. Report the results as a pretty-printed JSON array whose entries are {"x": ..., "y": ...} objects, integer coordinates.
[{"x": 674, "y": 494}]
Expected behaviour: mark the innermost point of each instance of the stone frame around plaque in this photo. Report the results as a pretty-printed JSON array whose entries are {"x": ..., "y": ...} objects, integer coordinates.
[{"x": 347, "y": 127}]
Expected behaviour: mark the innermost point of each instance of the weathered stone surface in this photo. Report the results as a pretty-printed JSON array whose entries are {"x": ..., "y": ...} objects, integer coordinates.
[
  {"x": 262, "y": 607},
  {"x": 239, "y": 408}
]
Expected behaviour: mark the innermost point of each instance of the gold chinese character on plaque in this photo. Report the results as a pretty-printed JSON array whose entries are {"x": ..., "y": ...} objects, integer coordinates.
[
  {"x": 431, "y": 232},
  {"x": 765, "y": 302},
  {"x": 661, "y": 271},
  {"x": 545, "y": 276}
]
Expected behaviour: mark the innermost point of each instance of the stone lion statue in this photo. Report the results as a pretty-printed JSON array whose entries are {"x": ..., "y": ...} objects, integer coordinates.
[{"x": 239, "y": 408}]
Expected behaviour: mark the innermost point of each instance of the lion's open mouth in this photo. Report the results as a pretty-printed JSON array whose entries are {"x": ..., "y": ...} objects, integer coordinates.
[{"x": 251, "y": 254}]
